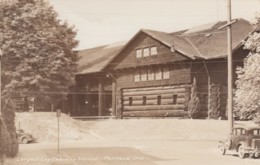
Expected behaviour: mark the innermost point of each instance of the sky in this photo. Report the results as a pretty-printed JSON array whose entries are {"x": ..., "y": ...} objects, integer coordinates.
[{"x": 102, "y": 22}]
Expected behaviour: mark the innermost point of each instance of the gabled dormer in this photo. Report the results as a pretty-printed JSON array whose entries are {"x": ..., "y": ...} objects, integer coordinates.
[{"x": 147, "y": 48}]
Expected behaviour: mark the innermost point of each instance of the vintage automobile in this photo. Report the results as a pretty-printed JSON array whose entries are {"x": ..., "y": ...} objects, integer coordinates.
[
  {"x": 245, "y": 140},
  {"x": 24, "y": 137}
]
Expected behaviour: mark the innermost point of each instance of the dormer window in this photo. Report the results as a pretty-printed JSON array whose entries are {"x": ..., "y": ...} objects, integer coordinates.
[
  {"x": 139, "y": 53},
  {"x": 146, "y": 52},
  {"x": 154, "y": 51}
]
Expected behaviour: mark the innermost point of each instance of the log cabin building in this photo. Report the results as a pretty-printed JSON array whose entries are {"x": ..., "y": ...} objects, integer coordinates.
[{"x": 152, "y": 74}]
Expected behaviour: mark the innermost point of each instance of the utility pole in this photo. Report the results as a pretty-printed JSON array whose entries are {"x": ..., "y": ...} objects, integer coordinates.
[
  {"x": 2, "y": 129},
  {"x": 230, "y": 69},
  {"x": 229, "y": 66}
]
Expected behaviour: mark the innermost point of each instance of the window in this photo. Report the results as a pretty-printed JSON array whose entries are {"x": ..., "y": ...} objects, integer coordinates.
[
  {"x": 243, "y": 131},
  {"x": 159, "y": 100},
  {"x": 158, "y": 74},
  {"x": 150, "y": 75},
  {"x": 238, "y": 131},
  {"x": 146, "y": 52},
  {"x": 130, "y": 101},
  {"x": 174, "y": 99},
  {"x": 166, "y": 73},
  {"x": 143, "y": 76},
  {"x": 144, "y": 100},
  {"x": 256, "y": 132},
  {"x": 138, "y": 53},
  {"x": 154, "y": 51},
  {"x": 137, "y": 77}
]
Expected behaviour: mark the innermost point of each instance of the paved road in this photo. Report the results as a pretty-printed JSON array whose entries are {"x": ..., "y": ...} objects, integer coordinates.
[{"x": 102, "y": 152}]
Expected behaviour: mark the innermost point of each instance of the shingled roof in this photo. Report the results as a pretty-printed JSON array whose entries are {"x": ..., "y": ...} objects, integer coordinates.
[
  {"x": 95, "y": 59},
  {"x": 201, "y": 42},
  {"x": 205, "y": 41}
]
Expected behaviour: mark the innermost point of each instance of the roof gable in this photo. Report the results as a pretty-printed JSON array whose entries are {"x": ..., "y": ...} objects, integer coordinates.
[{"x": 202, "y": 42}]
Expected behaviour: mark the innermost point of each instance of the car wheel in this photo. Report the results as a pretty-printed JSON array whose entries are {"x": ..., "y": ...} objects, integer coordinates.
[
  {"x": 256, "y": 155},
  {"x": 222, "y": 149},
  {"x": 241, "y": 151},
  {"x": 24, "y": 140}
]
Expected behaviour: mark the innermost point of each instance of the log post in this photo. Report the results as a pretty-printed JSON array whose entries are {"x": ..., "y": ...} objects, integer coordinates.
[
  {"x": 100, "y": 98},
  {"x": 74, "y": 101},
  {"x": 114, "y": 98}
]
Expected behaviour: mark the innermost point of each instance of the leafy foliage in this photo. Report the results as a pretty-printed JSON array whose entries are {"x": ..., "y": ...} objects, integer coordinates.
[
  {"x": 38, "y": 56},
  {"x": 247, "y": 96},
  {"x": 194, "y": 104},
  {"x": 38, "y": 60}
]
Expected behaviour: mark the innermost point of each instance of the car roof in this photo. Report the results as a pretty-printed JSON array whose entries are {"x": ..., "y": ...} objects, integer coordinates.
[{"x": 247, "y": 127}]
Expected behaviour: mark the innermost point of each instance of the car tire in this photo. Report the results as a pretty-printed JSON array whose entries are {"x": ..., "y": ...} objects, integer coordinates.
[
  {"x": 24, "y": 140},
  {"x": 222, "y": 149},
  {"x": 256, "y": 156},
  {"x": 241, "y": 151}
]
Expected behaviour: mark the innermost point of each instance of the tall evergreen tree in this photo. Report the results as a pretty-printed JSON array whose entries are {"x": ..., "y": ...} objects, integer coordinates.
[
  {"x": 247, "y": 96},
  {"x": 194, "y": 103}
]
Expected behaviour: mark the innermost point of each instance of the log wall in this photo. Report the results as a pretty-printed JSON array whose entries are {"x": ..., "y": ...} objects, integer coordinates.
[{"x": 160, "y": 101}]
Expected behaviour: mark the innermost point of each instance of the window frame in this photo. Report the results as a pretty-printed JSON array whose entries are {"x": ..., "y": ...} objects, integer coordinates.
[
  {"x": 166, "y": 71},
  {"x": 137, "y": 74},
  {"x": 256, "y": 132},
  {"x": 143, "y": 75},
  {"x": 158, "y": 72},
  {"x": 153, "y": 51},
  {"x": 139, "y": 53},
  {"x": 150, "y": 75},
  {"x": 146, "y": 52}
]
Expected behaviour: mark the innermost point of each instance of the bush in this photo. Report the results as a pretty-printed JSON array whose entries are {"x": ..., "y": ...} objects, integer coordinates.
[
  {"x": 194, "y": 104},
  {"x": 247, "y": 95}
]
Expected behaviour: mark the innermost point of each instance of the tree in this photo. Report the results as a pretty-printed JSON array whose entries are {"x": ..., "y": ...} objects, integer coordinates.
[
  {"x": 38, "y": 60},
  {"x": 194, "y": 104},
  {"x": 247, "y": 95},
  {"x": 38, "y": 53}
]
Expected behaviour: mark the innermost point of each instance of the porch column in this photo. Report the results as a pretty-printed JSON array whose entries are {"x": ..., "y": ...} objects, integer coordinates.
[
  {"x": 114, "y": 98},
  {"x": 100, "y": 98},
  {"x": 74, "y": 101}
]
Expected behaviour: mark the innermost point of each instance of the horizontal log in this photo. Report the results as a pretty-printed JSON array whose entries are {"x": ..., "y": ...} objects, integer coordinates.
[
  {"x": 154, "y": 97},
  {"x": 134, "y": 102},
  {"x": 155, "y": 102},
  {"x": 170, "y": 96},
  {"x": 155, "y": 92},
  {"x": 156, "y": 88},
  {"x": 170, "y": 101},
  {"x": 148, "y": 97},
  {"x": 158, "y": 113},
  {"x": 153, "y": 107}
]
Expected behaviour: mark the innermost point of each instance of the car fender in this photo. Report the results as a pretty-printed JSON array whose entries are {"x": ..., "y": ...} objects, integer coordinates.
[
  {"x": 23, "y": 136},
  {"x": 239, "y": 144},
  {"x": 227, "y": 143}
]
